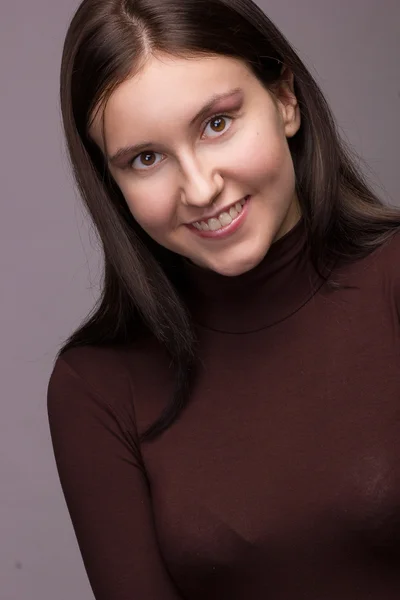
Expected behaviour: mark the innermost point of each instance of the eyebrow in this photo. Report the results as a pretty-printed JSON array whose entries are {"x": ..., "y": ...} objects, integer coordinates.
[{"x": 234, "y": 95}]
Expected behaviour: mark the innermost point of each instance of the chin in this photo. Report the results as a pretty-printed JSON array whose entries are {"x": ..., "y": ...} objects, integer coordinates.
[
  {"x": 228, "y": 271},
  {"x": 239, "y": 258},
  {"x": 239, "y": 267}
]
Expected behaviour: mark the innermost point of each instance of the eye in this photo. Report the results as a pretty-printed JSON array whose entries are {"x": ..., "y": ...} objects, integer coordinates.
[
  {"x": 219, "y": 124},
  {"x": 144, "y": 160}
]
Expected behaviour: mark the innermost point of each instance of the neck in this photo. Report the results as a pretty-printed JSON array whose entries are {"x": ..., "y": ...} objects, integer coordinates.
[{"x": 267, "y": 294}]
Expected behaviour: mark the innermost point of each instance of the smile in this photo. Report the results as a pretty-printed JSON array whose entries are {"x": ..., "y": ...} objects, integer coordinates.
[
  {"x": 222, "y": 225},
  {"x": 223, "y": 219}
]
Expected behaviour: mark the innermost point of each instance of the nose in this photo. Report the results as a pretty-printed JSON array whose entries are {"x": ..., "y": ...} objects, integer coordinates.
[{"x": 202, "y": 183}]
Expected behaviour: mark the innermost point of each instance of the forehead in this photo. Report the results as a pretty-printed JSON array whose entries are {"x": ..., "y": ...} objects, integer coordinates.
[{"x": 167, "y": 90}]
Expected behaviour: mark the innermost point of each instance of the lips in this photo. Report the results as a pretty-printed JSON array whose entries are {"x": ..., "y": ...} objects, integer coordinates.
[
  {"x": 215, "y": 229},
  {"x": 218, "y": 213}
]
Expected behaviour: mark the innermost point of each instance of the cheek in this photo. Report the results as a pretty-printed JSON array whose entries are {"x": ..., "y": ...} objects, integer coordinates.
[
  {"x": 154, "y": 210},
  {"x": 263, "y": 157}
]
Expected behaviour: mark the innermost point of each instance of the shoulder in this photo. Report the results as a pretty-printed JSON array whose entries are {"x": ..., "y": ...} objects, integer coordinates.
[
  {"x": 91, "y": 384},
  {"x": 388, "y": 259},
  {"x": 98, "y": 368},
  {"x": 385, "y": 261},
  {"x": 93, "y": 364},
  {"x": 128, "y": 384},
  {"x": 378, "y": 273}
]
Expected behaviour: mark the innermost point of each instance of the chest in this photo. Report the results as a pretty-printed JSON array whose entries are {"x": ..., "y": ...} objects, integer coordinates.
[{"x": 291, "y": 444}]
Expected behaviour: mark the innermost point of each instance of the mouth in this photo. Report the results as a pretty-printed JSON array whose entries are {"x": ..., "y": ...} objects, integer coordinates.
[
  {"x": 224, "y": 223},
  {"x": 221, "y": 219}
]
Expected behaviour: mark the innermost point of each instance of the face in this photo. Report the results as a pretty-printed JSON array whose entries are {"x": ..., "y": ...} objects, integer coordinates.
[{"x": 216, "y": 186}]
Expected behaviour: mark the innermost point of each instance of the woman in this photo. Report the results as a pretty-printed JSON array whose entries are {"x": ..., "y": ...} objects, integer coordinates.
[{"x": 226, "y": 423}]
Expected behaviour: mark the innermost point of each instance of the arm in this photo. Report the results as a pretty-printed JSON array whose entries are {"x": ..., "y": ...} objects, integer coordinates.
[{"x": 106, "y": 493}]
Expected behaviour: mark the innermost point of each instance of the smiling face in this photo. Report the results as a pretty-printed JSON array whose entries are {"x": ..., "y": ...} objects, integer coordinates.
[{"x": 178, "y": 165}]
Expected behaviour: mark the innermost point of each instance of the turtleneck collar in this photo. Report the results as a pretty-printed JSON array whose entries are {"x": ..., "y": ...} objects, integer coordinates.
[{"x": 271, "y": 292}]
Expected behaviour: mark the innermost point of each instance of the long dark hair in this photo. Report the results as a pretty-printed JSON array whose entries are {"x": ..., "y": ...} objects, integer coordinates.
[{"x": 108, "y": 41}]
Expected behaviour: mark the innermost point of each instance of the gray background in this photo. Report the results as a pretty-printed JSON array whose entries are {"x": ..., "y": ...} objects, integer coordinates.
[{"x": 49, "y": 258}]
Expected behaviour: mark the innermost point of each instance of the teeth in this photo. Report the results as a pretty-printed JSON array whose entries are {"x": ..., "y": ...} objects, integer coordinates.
[
  {"x": 222, "y": 220},
  {"x": 214, "y": 224},
  {"x": 225, "y": 219}
]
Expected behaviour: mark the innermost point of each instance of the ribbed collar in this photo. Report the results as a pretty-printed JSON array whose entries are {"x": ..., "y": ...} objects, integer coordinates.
[{"x": 275, "y": 289}]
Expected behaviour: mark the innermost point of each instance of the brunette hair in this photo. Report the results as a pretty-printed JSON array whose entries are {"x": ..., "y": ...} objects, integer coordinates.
[{"x": 109, "y": 41}]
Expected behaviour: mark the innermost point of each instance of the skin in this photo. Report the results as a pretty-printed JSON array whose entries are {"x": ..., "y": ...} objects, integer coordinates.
[{"x": 190, "y": 170}]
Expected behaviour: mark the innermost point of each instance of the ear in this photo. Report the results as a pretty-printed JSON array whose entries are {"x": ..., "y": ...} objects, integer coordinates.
[{"x": 287, "y": 103}]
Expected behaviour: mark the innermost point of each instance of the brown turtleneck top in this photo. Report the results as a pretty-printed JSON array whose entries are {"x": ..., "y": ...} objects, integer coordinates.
[{"x": 281, "y": 479}]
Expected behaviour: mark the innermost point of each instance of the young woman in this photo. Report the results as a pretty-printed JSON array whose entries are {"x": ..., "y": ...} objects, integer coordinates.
[{"x": 226, "y": 424}]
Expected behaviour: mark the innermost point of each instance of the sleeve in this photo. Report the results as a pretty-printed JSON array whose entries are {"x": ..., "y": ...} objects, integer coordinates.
[{"x": 106, "y": 493}]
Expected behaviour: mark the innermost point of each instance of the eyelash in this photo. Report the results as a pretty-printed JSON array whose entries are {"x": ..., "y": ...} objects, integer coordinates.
[{"x": 219, "y": 115}]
